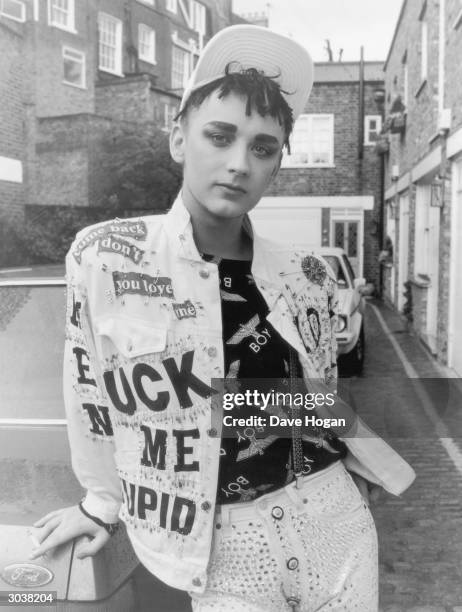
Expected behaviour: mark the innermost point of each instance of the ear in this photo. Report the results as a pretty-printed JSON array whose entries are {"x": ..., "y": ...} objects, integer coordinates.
[{"x": 177, "y": 143}]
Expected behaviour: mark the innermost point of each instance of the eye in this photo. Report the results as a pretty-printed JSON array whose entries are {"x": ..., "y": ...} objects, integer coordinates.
[
  {"x": 263, "y": 151},
  {"x": 219, "y": 139}
]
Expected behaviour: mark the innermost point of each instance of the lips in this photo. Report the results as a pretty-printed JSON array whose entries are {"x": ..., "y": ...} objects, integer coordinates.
[{"x": 232, "y": 187}]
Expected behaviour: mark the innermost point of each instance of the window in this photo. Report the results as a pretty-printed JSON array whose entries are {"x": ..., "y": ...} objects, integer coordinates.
[
  {"x": 170, "y": 113},
  {"x": 198, "y": 13},
  {"x": 172, "y": 6},
  {"x": 372, "y": 127},
  {"x": 13, "y": 9},
  {"x": 110, "y": 44},
  {"x": 74, "y": 67},
  {"x": 423, "y": 49},
  {"x": 61, "y": 14},
  {"x": 146, "y": 43},
  {"x": 311, "y": 142},
  {"x": 180, "y": 67}
]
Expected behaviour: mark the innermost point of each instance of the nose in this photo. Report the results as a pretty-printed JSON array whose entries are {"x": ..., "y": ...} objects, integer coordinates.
[{"x": 238, "y": 160}]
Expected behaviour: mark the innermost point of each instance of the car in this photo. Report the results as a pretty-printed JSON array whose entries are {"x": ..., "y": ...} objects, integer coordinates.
[
  {"x": 35, "y": 466},
  {"x": 350, "y": 323}
]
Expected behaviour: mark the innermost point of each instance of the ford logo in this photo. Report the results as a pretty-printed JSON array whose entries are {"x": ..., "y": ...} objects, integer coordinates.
[{"x": 27, "y": 575}]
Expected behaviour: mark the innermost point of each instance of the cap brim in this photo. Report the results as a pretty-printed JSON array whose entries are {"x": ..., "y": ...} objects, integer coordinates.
[{"x": 250, "y": 46}]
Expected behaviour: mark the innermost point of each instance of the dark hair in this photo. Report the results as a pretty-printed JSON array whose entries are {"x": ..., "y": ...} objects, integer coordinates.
[{"x": 263, "y": 94}]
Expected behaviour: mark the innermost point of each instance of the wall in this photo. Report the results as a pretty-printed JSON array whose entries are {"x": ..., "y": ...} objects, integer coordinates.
[
  {"x": 453, "y": 82},
  {"x": 350, "y": 175},
  {"x": 422, "y": 134},
  {"x": 44, "y": 61},
  {"x": 422, "y": 107},
  {"x": 11, "y": 112}
]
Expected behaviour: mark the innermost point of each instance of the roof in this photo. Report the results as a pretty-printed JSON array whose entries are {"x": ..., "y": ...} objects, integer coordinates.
[
  {"x": 398, "y": 23},
  {"x": 347, "y": 72}
]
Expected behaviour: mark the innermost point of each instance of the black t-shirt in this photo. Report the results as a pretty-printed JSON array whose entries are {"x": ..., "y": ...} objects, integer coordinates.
[{"x": 256, "y": 461}]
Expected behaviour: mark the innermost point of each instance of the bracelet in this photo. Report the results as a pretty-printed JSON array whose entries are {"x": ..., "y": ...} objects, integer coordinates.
[{"x": 111, "y": 528}]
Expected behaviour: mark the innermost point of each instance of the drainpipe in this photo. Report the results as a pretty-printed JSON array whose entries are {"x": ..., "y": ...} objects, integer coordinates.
[
  {"x": 441, "y": 52},
  {"x": 361, "y": 105},
  {"x": 381, "y": 229}
]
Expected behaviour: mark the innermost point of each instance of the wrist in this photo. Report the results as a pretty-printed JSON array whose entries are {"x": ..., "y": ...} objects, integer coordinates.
[{"x": 111, "y": 528}]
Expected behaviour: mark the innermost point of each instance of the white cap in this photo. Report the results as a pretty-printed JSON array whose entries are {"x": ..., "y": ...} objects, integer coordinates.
[{"x": 251, "y": 46}]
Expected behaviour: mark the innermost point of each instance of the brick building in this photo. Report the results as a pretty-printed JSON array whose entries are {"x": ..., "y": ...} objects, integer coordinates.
[
  {"x": 80, "y": 80},
  {"x": 331, "y": 183},
  {"x": 423, "y": 173},
  {"x": 12, "y": 137}
]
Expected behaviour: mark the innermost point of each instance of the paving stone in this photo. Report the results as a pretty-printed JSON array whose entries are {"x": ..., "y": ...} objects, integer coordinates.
[{"x": 420, "y": 532}]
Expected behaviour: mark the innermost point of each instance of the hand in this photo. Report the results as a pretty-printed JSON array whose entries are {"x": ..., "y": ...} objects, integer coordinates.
[
  {"x": 61, "y": 526},
  {"x": 369, "y": 491}
]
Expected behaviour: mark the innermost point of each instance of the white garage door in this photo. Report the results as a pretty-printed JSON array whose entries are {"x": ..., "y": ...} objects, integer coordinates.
[{"x": 288, "y": 220}]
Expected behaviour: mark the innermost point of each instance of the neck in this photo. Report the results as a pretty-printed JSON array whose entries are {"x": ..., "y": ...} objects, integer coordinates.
[{"x": 224, "y": 237}]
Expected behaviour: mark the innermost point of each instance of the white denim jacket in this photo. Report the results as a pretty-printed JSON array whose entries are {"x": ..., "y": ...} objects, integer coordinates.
[{"x": 143, "y": 340}]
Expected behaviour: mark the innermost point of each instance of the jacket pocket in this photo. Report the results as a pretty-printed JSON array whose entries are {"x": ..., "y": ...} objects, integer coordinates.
[{"x": 131, "y": 337}]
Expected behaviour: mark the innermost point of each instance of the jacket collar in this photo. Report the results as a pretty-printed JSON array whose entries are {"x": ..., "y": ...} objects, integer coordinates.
[{"x": 264, "y": 265}]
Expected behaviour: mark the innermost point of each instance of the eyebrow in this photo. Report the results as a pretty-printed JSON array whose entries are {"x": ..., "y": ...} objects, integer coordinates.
[{"x": 232, "y": 129}]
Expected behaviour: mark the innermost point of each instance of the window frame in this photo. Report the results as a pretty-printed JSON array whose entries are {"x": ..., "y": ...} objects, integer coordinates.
[
  {"x": 117, "y": 71},
  {"x": 152, "y": 44},
  {"x": 83, "y": 62},
  {"x": 70, "y": 26},
  {"x": 198, "y": 5},
  {"x": 287, "y": 162},
  {"x": 186, "y": 60},
  {"x": 171, "y": 6},
  {"x": 19, "y": 3},
  {"x": 367, "y": 129},
  {"x": 170, "y": 111}
]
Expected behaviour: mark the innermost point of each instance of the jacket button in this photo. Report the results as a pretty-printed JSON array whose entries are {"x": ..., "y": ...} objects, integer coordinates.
[
  {"x": 196, "y": 582},
  {"x": 277, "y": 512},
  {"x": 204, "y": 273},
  {"x": 212, "y": 351},
  {"x": 212, "y": 433},
  {"x": 292, "y": 563},
  {"x": 206, "y": 506}
]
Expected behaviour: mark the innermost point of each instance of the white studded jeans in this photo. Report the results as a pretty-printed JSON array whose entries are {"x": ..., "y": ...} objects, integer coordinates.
[{"x": 307, "y": 549}]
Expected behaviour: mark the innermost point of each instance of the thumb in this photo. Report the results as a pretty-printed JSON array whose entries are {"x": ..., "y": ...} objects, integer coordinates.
[{"x": 90, "y": 548}]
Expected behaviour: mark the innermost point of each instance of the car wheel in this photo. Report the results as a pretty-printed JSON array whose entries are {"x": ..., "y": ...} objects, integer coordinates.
[{"x": 354, "y": 360}]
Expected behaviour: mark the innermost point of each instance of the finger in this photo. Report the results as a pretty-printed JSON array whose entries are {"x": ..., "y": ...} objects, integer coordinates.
[
  {"x": 89, "y": 549},
  {"x": 49, "y": 528},
  {"x": 41, "y": 522},
  {"x": 59, "y": 536}
]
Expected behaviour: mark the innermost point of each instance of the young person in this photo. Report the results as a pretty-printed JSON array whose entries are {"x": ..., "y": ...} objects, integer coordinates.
[{"x": 160, "y": 306}]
